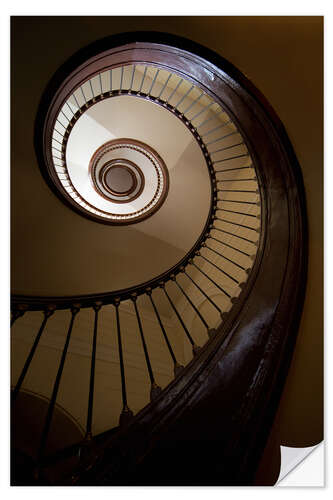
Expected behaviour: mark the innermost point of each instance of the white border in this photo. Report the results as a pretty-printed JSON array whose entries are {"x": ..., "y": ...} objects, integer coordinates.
[{"x": 131, "y": 7}]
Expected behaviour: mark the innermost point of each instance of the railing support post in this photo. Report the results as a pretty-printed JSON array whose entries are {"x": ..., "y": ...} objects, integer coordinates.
[
  {"x": 96, "y": 307},
  {"x": 155, "y": 390},
  {"x": 177, "y": 367},
  {"x": 47, "y": 313},
  {"x": 195, "y": 347},
  {"x": 74, "y": 310},
  {"x": 126, "y": 414}
]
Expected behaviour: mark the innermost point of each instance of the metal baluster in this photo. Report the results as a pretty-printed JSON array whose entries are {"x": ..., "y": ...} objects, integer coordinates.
[
  {"x": 77, "y": 103},
  {"x": 58, "y": 151},
  {"x": 191, "y": 262},
  {"x": 153, "y": 82},
  {"x": 235, "y": 235},
  {"x": 121, "y": 78},
  {"x": 57, "y": 120},
  {"x": 47, "y": 313},
  {"x": 184, "y": 97},
  {"x": 61, "y": 171},
  {"x": 255, "y": 191},
  {"x": 229, "y": 246},
  {"x": 177, "y": 367},
  {"x": 57, "y": 157},
  {"x": 257, "y": 216},
  {"x": 195, "y": 348},
  {"x": 193, "y": 103},
  {"x": 100, "y": 83},
  {"x": 217, "y": 267},
  {"x": 164, "y": 86},
  {"x": 240, "y": 201},
  {"x": 209, "y": 330},
  {"x": 236, "y": 224},
  {"x": 56, "y": 164},
  {"x": 231, "y": 158},
  {"x": 17, "y": 312},
  {"x": 209, "y": 119},
  {"x": 92, "y": 92},
  {"x": 62, "y": 176},
  {"x": 183, "y": 270},
  {"x": 84, "y": 97},
  {"x": 96, "y": 307},
  {"x": 224, "y": 257},
  {"x": 56, "y": 140},
  {"x": 74, "y": 310},
  {"x": 155, "y": 389},
  {"x": 216, "y": 128},
  {"x": 227, "y": 147},
  {"x": 202, "y": 111},
  {"x": 67, "y": 104},
  {"x": 223, "y": 137},
  {"x": 126, "y": 413},
  {"x": 62, "y": 135},
  {"x": 232, "y": 169},
  {"x": 144, "y": 75},
  {"x": 236, "y": 180},
  {"x": 132, "y": 79},
  {"x": 68, "y": 119},
  {"x": 110, "y": 81},
  {"x": 174, "y": 90}
]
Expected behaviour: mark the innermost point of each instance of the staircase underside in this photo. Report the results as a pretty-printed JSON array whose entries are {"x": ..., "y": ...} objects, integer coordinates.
[{"x": 209, "y": 426}]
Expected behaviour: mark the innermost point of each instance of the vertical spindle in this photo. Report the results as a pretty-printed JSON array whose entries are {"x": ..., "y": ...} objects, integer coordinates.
[
  {"x": 191, "y": 262},
  {"x": 47, "y": 313},
  {"x": 217, "y": 267},
  {"x": 74, "y": 310},
  {"x": 155, "y": 389},
  {"x": 195, "y": 348},
  {"x": 177, "y": 367},
  {"x": 126, "y": 413},
  {"x": 96, "y": 307},
  {"x": 174, "y": 279},
  {"x": 202, "y": 291}
]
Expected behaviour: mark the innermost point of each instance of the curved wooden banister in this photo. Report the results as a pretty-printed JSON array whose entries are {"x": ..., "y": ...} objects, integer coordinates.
[{"x": 210, "y": 424}]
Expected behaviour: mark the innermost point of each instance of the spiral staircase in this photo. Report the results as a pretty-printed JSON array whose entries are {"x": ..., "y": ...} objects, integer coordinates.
[{"x": 163, "y": 361}]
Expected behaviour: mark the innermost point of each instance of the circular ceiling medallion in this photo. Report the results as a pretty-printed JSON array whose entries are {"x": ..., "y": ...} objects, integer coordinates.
[
  {"x": 129, "y": 171},
  {"x": 131, "y": 176},
  {"x": 118, "y": 178}
]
